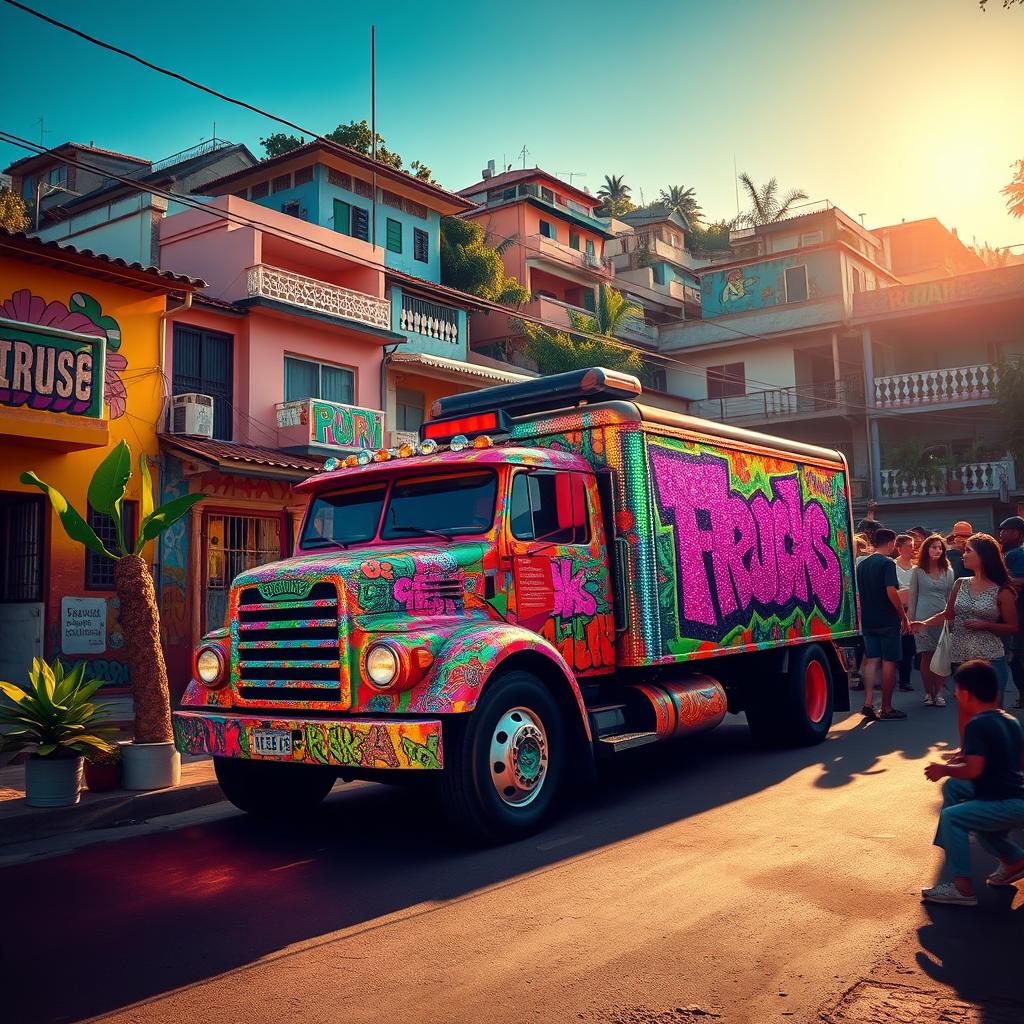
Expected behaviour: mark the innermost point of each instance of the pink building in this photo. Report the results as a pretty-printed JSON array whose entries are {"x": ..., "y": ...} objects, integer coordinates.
[{"x": 554, "y": 246}]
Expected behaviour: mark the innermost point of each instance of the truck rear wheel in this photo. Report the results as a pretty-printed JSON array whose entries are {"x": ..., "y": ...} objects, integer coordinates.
[
  {"x": 270, "y": 789},
  {"x": 797, "y": 710},
  {"x": 505, "y": 761}
]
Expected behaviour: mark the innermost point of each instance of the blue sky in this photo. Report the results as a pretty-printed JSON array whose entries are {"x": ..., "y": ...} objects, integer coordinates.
[{"x": 898, "y": 110}]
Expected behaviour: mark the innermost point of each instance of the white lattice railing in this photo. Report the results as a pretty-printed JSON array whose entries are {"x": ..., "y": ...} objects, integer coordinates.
[
  {"x": 419, "y": 316},
  {"x": 974, "y": 478},
  {"x": 931, "y": 387},
  {"x": 268, "y": 282}
]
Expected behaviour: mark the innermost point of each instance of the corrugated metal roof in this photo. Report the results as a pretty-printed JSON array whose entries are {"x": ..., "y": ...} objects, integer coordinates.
[
  {"x": 457, "y": 367},
  {"x": 32, "y": 246},
  {"x": 251, "y": 454}
]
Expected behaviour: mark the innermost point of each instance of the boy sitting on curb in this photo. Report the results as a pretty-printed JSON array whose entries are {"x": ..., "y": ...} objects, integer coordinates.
[{"x": 984, "y": 789}]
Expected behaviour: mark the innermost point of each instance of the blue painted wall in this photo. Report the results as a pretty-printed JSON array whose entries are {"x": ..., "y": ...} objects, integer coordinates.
[
  {"x": 308, "y": 197},
  {"x": 424, "y": 342},
  {"x": 761, "y": 285}
]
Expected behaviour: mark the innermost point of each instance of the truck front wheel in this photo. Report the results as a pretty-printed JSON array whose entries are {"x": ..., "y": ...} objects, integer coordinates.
[
  {"x": 797, "y": 710},
  {"x": 504, "y": 761},
  {"x": 269, "y": 789}
]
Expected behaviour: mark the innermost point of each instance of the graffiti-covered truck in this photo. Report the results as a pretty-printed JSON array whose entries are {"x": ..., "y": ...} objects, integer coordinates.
[{"x": 556, "y": 572}]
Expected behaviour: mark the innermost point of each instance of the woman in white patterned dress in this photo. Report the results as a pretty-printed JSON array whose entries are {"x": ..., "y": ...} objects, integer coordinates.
[{"x": 930, "y": 587}]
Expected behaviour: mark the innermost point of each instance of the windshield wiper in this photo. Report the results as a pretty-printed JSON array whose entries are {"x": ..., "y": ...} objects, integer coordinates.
[
  {"x": 422, "y": 530},
  {"x": 321, "y": 542}
]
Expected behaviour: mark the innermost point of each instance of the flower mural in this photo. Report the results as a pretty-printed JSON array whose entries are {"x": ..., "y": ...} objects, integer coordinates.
[{"x": 82, "y": 315}]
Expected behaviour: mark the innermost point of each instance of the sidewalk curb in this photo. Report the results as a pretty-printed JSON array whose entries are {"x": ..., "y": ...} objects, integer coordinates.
[{"x": 20, "y": 823}]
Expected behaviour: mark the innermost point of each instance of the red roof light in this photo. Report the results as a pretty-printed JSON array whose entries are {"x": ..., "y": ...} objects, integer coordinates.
[{"x": 468, "y": 425}]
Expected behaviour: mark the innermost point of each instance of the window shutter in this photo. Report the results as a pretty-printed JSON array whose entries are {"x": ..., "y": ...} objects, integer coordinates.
[
  {"x": 360, "y": 223},
  {"x": 342, "y": 217},
  {"x": 420, "y": 245},
  {"x": 394, "y": 235}
]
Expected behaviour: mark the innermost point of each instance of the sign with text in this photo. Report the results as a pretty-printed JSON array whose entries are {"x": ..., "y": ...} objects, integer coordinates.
[
  {"x": 53, "y": 370},
  {"x": 322, "y": 424},
  {"x": 83, "y": 625},
  {"x": 985, "y": 284}
]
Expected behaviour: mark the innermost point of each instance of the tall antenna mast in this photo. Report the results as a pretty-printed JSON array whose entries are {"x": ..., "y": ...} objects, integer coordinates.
[{"x": 523, "y": 153}]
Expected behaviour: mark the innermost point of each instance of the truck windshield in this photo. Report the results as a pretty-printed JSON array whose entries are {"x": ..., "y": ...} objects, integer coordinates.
[{"x": 425, "y": 506}]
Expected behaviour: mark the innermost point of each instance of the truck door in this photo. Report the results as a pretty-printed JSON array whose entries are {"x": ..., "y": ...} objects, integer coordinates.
[{"x": 561, "y": 586}]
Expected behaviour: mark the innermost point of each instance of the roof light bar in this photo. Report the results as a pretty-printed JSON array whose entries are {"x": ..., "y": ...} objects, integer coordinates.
[
  {"x": 495, "y": 421},
  {"x": 540, "y": 394}
]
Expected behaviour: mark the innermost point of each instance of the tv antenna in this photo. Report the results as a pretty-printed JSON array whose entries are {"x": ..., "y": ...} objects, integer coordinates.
[
  {"x": 523, "y": 153},
  {"x": 569, "y": 175}
]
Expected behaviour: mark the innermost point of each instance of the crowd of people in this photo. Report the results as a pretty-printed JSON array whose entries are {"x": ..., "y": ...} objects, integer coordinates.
[{"x": 953, "y": 603}]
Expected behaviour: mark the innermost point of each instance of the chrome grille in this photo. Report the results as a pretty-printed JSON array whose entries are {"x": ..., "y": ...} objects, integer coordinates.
[{"x": 288, "y": 650}]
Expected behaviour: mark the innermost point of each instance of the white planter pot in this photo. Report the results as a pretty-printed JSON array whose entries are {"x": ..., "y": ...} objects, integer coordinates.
[
  {"x": 150, "y": 765},
  {"x": 53, "y": 781}
]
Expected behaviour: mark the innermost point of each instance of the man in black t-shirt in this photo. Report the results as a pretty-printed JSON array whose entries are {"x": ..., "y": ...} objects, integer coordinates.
[
  {"x": 984, "y": 789},
  {"x": 883, "y": 620}
]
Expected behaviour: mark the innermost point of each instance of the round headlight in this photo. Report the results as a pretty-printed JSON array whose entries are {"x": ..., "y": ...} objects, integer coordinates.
[
  {"x": 381, "y": 665},
  {"x": 210, "y": 666}
]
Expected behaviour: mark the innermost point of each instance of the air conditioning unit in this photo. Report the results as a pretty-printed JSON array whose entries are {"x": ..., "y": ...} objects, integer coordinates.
[
  {"x": 192, "y": 414},
  {"x": 400, "y": 437}
]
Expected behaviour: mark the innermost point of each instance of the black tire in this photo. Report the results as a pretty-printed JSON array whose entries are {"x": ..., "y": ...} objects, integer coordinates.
[
  {"x": 469, "y": 795},
  {"x": 270, "y": 789},
  {"x": 782, "y": 711}
]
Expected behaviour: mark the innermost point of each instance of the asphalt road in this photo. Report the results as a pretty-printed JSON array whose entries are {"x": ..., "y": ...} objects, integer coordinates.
[{"x": 707, "y": 875}]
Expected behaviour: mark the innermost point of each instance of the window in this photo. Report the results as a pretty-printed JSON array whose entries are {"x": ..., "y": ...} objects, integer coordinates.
[
  {"x": 858, "y": 280},
  {"x": 589, "y": 302},
  {"x": 58, "y": 176},
  {"x": 22, "y": 547},
  {"x": 590, "y": 248},
  {"x": 304, "y": 378},
  {"x": 547, "y": 229},
  {"x": 726, "y": 380},
  {"x": 99, "y": 571},
  {"x": 409, "y": 410},
  {"x": 304, "y": 175},
  {"x": 574, "y": 239},
  {"x": 812, "y": 238},
  {"x": 203, "y": 364},
  {"x": 796, "y": 284},
  {"x": 234, "y": 544},
  {"x": 441, "y": 504},
  {"x": 261, "y": 190},
  {"x": 360, "y": 224},
  {"x": 549, "y": 507},
  {"x": 507, "y": 194},
  {"x": 343, "y": 217},
  {"x": 546, "y": 193},
  {"x": 394, "y": 233},
  {"x": 282, "y": 182},
  {"x": 27, "y": 185},
  {"x": 420, "y": 245}
]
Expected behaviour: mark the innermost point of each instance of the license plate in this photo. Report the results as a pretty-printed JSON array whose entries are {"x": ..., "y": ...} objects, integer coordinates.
[{"x": 272, "y": 742}]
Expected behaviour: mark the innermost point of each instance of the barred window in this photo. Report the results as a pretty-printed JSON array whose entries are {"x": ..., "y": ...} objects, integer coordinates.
[
  {"x": 99, "y": 571},
  {"x": 260, "y": 190},
  {"x": 282, "y": 182},
  {"x": 304, "y": 175}
]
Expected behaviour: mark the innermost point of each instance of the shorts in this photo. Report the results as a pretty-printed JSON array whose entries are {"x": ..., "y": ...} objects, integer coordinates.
[{"x": 886, "y": 644}]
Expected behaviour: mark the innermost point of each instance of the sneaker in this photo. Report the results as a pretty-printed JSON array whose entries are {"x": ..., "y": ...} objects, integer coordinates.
[
  {"x": 907, "y": 689},
  {"x": 940, "y": 701},
  {"x": 929, "y": 700},
  {"x": 1002, "y": 877},
  {"x": 947, "y": 892},
  {"x": 869, "y": 712},
  {"x": 892, "y": 715}
]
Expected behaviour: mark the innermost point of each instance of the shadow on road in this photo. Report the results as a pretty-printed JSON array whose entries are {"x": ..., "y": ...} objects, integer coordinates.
[{"x": 156, "y": 913}]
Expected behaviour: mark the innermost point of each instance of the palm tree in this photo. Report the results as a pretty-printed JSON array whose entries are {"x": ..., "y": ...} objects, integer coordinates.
[
  {"x": 140, "y": 616},
  {"x": 614, "y": 195},
  {"x": 683, "y": 200},
  {"x": 766, "y": 207},
  {"x": 1014, "y": 192}
]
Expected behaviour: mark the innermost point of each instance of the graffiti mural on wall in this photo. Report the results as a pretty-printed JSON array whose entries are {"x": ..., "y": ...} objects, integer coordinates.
[
  {"x": 754, "y": 286},
  {"x": 43, "y": 371},
  {"x": 751, "y": 549}
]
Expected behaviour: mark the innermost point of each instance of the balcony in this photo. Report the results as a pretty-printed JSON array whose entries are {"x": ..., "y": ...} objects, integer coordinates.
[
  {"x": 937, "y": 387},
  {"x": 780, "y": 403},
  {"x": 418, "y": 316},
  {"x": 267, "y": 282},
  {"x": 553, "y": 312},
  {"x": 565, "y": 254},
  {"x": 969, "y": 478}
]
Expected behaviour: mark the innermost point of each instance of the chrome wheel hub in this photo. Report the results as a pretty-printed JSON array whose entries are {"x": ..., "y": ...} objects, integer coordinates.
[{"x": 519, "y": 757}]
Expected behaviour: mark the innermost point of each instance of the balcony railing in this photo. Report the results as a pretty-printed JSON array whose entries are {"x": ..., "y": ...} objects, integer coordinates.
[
  {"x": 780, "y": 402},
  {"x": 267, "y": 282},
  {"x": 970, "y": 478},
  {"x": 429, "y": 319},
  {"x": 936, "y": 387},
  {"x": 566, "y": 254}
]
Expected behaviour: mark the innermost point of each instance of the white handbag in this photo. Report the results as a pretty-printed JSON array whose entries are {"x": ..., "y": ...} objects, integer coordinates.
[{"x": 940, "y": 663}]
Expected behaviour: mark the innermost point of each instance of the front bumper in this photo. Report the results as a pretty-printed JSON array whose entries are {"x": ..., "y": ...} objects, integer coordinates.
[{"x": 353, "y": 743}]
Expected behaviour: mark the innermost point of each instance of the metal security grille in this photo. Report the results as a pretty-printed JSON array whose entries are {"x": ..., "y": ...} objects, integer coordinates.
[
  {"x": 99, "y": 570},
  {"x": 203, "y": 364},
  {"x": 234, "y": 544},
  {"x": 289, "y": 649},
  {"x": 21, "y": 548}
]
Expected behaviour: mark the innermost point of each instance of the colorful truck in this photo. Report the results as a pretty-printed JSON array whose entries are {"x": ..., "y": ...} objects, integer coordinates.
[{"x": 555, "y": 573}]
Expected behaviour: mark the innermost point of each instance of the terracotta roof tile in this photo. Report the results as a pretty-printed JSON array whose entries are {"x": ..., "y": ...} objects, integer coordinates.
[
  {"x": 254, "y": 455},
  {"x": 58, "y": 151}
]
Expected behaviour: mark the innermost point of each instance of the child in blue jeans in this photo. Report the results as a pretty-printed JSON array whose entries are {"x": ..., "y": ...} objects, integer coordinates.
[{"x": 984, "y": 789}]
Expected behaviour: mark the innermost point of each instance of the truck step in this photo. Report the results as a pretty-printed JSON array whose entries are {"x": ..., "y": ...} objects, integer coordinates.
[{"x": 627, "y": 741}]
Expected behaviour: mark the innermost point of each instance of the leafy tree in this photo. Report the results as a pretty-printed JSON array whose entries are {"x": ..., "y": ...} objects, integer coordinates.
[
  {"x": 1014, "y": 191},
  {"x": 983, "y": 4},
  {"x": 13, "y": 215},
  {"x": 683, "y": 200},
  {"x": 614, "y": 196},
  {"x": 709, "y": 237},
  {"x": 471, "y": 265},
  {"x": 280, "y": 142},
  {"x": 991, "y": 256},
  {"x": 558, "y": 351},
  {"x": 1009, "y": 410},
  {"x": 766, "y": 206},
  {"x": 140, "y": 616}
]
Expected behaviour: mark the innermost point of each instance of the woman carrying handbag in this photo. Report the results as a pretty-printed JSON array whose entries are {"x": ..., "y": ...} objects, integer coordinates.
[{"x": 931, "y": 583}]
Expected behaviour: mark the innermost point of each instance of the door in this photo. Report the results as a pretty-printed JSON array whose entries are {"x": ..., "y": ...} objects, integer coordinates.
[
  {"x": 561, "y": 586},
  {"x": 232, "y": 544},
  {"x": 22, "y": 571}
]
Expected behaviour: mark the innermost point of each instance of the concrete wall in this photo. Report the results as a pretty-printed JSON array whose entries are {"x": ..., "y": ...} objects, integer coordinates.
[{"x": 125, "y": 228}]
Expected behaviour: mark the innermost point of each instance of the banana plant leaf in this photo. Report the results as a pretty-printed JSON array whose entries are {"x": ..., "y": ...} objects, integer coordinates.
[
  {"x": 108, "y": 484},
  {"x": 165, "y": 516},
  {"x": 147, "y": 487},
  {"x": 74, "y": 525}
]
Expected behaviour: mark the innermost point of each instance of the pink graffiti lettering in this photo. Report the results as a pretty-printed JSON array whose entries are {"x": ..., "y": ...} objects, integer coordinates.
[
  {"x": 571, "y": 596},
  {"x": 732, "y": 553},
  {"x": 426, "y": 592}
]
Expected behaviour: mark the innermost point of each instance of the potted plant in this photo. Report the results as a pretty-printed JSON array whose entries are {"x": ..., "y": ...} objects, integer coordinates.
[
  {"x": 917, "y": 469},
  {"x": 150, "y": 760},
  {"x": 53, "y": 714},
  {"x": 103, "y": 769}
]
